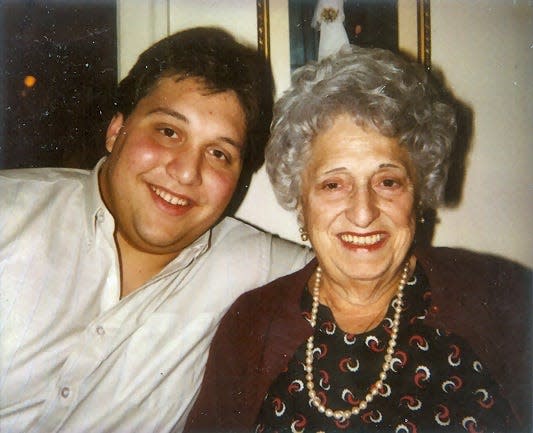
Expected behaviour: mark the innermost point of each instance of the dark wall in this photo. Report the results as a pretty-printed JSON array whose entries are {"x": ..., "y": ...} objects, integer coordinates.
[{"x": 70, "y": 48}]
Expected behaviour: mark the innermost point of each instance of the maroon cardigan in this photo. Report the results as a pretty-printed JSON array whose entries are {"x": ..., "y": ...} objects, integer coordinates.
[{"x": 485, "y": 299}]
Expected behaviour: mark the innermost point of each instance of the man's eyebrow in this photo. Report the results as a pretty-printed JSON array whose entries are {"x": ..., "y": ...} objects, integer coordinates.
[
  {"x": 169, "y": 112},
  {"x": 178, "y": 116}
]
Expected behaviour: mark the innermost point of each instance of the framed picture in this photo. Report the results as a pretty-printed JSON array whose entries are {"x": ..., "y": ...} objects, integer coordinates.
[{"x": 289, "y": 31}]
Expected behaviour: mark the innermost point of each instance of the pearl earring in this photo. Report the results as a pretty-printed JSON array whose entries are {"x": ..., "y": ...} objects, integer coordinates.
[{"x": 303, "y": 234}]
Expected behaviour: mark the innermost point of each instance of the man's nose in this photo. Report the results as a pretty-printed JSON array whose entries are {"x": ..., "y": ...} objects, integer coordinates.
[{"x": 185, "y": 165}]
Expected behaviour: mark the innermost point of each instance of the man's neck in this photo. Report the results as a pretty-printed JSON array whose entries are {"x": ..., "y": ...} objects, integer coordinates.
[{"x": 137, "y": 267}]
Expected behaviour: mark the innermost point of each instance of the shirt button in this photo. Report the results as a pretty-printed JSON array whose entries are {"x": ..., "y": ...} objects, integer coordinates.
[
  {"x": 100, "y": 330},
  {"x": 65, "y": 392},
  {"x": 100, "y": 216}
]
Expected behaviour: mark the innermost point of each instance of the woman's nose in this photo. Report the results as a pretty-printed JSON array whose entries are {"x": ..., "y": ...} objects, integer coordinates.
[
  {"x": 185, "y": 166},
  {"x": 362, "y": 208}
]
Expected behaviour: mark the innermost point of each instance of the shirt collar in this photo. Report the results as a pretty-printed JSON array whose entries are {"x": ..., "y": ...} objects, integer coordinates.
[
  {"x": 96, "y": 208},
  {"x": 189, "y": 254}
]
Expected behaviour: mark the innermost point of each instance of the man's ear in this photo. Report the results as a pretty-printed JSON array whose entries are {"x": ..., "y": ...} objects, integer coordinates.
[{"x": 113, "y": 129}]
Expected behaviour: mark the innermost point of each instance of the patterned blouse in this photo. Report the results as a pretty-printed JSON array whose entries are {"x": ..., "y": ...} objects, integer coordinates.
[{"x": 436, "y": 382}]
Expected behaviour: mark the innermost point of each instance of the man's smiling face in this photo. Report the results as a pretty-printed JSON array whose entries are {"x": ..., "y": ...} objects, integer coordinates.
[{"x": 174, "y": 164}]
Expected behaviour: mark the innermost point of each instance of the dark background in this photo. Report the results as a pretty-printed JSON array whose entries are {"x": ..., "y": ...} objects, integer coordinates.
[{"x": 70, "y": 48}]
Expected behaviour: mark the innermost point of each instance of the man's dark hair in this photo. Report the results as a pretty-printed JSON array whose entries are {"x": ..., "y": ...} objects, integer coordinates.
[{"x": 223, "y": 64}]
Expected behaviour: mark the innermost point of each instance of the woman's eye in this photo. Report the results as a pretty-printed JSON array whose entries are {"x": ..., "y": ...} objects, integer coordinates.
[
  {"x": 389, "y": 183},
  {"x": 331, "y": 186}
]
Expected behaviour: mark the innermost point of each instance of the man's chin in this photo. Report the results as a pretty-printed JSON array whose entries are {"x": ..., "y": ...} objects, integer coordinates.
[{"x": 168, "y": 244}]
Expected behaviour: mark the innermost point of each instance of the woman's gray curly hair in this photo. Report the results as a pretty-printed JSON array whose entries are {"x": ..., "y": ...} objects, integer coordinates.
[{"x": 378, "y": 89}]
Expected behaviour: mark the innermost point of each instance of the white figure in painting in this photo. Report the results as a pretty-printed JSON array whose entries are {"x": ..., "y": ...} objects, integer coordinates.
[{"x": 329, "y": 20}]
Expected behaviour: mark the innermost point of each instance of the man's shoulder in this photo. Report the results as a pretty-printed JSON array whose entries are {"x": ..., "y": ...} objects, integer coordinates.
[
  {"x": 28, "y": 192},
  {"x": 234, "y": 230},
  {"x": 268, "y": 253},
  {"x": 289, "y": 287},
  {"x": 41, "y": 176},
  {"x": 231, "y": 227}
]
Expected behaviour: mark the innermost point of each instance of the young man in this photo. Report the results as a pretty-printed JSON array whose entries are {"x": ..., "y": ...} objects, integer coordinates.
[{"x": 113, "y": 281}]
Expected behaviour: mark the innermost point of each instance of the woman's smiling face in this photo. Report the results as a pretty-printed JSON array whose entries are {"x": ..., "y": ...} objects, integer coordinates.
[{"x": 357, "y": 203}]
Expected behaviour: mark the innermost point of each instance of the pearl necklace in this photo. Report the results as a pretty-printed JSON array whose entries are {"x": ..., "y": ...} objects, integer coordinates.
[{"x": 397, "y": 303}]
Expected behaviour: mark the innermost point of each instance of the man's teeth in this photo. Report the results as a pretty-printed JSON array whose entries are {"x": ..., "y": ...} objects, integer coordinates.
[
  {"x": 169, "y": 198},
  {"x": 362, "y": 240}
]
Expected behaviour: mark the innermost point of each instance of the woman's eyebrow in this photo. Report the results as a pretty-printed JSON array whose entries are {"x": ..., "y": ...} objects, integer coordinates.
[
  {"x": 335, "y": 170},
  {"x": 390, "y": 165}
]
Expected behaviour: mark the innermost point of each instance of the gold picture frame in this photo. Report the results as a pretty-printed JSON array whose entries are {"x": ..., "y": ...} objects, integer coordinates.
[{"x": 423, "y": 24}]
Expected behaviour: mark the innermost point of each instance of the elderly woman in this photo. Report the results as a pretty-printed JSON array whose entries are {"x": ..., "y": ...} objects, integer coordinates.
[{"x": 372, "y": 335}]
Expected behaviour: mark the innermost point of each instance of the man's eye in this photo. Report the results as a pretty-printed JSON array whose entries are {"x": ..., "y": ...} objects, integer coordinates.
[
  {"x": 168, "y": 132},
  {"x": 219, "y": 154}
]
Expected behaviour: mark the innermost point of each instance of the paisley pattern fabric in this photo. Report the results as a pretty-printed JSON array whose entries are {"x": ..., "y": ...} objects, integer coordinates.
[{"x": 436, "y": 382}]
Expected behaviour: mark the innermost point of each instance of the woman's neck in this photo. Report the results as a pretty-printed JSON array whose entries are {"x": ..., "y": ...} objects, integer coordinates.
[{"x": 359, "y": 306}]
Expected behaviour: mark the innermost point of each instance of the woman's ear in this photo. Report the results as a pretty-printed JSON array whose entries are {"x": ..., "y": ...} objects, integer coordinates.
[
  {"x": 304, "y": 235},
  {"x": 113, "y": 130},
  {"x": 299, "y": 213}
]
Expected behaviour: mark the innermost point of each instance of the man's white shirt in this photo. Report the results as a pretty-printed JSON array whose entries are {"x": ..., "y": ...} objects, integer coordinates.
[{"x": 74, "y": 357}]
